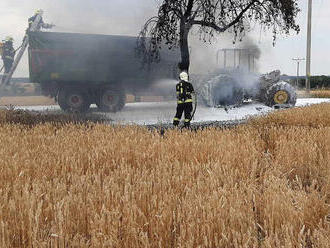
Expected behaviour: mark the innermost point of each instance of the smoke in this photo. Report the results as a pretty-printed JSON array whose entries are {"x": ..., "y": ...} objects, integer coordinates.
[
  {"x": 102, "y": 16},
  {"x": 204, "y": 54},
  {"x": 115, "y": 17},
  {"x": 249, "y": 43},
  {"x": 74, "y": 16},
  {"x": 230, "y": 74},
  {"x": 253, "y": 54},
  {"x": 230, "y": 88},
  {"x": 208, "y": 57}
]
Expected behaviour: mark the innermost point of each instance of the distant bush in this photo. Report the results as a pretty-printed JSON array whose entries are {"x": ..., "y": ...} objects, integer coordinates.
[{"x": 316, "y": 82}]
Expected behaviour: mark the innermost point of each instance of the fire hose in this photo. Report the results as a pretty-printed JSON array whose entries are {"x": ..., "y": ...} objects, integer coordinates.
[{"x": 195, "y": 107}]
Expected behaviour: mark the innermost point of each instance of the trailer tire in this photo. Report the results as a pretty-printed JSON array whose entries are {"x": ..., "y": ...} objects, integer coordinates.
[
  {"x": 74, "y": 100},
  {"x": 111, "y": 100},
  {"x": 281, "y": 93}
]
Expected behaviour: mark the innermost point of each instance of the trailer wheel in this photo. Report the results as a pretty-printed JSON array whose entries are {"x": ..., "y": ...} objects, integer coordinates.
[
  {"x": 73, "y": 100},
  {"x": 111, "y": 100},
  {"x": 280, "y": 93}
]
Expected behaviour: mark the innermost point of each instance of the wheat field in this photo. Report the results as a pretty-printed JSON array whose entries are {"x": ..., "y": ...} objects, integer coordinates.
[
  {"x": 321, "y": 93},
  {"x": 76, "y": 184}
]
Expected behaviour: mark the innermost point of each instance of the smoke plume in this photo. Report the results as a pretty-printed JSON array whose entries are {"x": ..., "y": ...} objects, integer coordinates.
[{"x": 75, "y": 16}]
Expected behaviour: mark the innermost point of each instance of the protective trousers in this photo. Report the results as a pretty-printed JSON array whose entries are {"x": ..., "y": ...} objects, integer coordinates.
[{"x": 187, "y": 108}]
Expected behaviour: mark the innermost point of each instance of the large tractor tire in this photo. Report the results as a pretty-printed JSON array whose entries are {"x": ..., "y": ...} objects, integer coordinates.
[
  {"x": 74, "y": 100},
  {"x": 280, "y": 93},
  {"x": 111, "y": 100}
]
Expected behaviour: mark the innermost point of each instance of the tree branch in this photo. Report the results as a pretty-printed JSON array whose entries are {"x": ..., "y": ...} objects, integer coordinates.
[
  {"x": 223, "y": 29},
  {"x": 208, "y": 24},
  {"x": 189, "y": 8}
]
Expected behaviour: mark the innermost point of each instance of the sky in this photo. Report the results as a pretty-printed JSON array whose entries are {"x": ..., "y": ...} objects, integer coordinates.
[{"x": 126, "y": 17}]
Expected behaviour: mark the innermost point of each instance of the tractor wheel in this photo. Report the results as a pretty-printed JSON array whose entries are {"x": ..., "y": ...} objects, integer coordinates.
[
  {"x": 74, "y": 100},
  {"x": 111, "y": 100},
  {"x": 280, "y": 93}
]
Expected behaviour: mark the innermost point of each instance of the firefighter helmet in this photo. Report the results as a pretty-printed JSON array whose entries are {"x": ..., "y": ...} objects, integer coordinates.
[
  {"x": 39, "y": 11},
  {"x": 9, "y": 38},
  {"x": 184, "y": 76}
]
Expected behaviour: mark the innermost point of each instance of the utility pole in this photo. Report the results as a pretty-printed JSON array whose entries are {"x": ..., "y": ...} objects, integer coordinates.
[
  {"x": 298, "y": 60},
  {"x": 309, "y": 46},
  {"x": 225, "y": 58}
]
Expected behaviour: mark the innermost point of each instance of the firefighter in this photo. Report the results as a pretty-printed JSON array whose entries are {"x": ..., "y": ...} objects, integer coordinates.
[
  {"x": 184, "y": 91},
  {"x": 8, "y": 54},
  {"x": 41, "y": 22}
]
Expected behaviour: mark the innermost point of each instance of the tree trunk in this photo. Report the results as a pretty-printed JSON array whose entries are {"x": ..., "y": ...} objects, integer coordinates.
[{"x": 184, "y": 47}]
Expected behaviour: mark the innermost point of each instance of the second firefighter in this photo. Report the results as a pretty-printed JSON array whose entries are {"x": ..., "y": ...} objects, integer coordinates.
[
  {"x": 184, "y": 91},
  {"x": 8, "y": 55}
]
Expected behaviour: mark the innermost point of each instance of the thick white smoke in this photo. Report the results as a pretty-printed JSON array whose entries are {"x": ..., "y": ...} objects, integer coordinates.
[
  {"x": 226, "y": 76},
  {"x": 105, "y": 17},
  {"x": 77, "y": 16}
]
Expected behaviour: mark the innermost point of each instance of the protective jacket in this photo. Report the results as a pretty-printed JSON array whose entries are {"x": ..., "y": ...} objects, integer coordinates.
[
  {"x": 8, "y": 55},
  {"x": 41, "y": 23},
  {"x": 184, "y": 91}
]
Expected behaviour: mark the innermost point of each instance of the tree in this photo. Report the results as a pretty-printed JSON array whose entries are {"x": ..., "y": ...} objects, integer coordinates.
[{"x": 176, "y": 18}]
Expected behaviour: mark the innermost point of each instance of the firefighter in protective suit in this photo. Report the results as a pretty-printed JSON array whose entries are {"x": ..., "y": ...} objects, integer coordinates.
[
  {"x": 8, "y": 54},
  {"x": 184, "y": 92},
  {"x": 41, "y": 24}
]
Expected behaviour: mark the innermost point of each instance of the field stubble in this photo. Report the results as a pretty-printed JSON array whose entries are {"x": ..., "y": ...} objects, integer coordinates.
[
  {"x": 320, "y": 93},
  {"x": 263, "y": 184}
]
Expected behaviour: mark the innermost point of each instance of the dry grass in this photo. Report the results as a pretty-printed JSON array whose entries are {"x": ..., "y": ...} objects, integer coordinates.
[
  {"x": 26, "y": 101},
  {"x": 43, "y": 100},
  {"x": 264, "y": 184},
  {"x": 313, "y": 116},
  {"x": 323, "y": 93},
  {"x": 30, "y": 119}
]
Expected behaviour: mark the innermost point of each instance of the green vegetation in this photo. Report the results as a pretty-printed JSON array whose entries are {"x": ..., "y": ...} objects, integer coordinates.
[{"x": 316, "y": 82}]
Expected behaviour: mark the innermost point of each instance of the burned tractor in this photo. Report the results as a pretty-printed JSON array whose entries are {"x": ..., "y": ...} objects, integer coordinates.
[{"x": 232, "y": 85}]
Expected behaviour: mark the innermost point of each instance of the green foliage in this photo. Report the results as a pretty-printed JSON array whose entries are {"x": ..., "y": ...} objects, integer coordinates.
[{"x": 316, "y": 82}]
